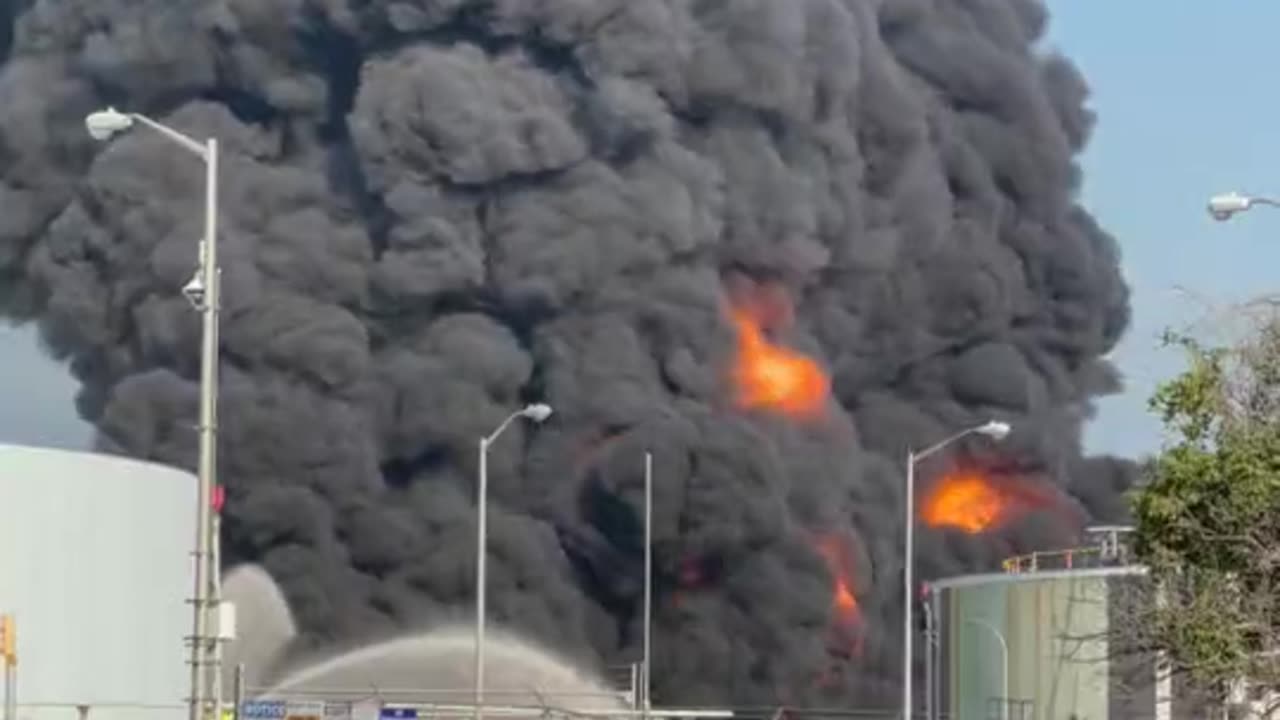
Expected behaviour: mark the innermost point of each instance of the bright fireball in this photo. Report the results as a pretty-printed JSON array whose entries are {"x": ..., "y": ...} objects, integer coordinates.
[
  {"x": 965, "y": 501},
  {"x": 772, "y": 377}
]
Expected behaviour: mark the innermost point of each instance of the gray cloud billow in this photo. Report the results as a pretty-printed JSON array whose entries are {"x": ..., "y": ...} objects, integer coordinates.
[{"x": 434, "y": 211}]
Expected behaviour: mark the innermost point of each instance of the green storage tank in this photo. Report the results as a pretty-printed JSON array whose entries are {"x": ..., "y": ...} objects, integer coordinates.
[{"x": 1037, "y": 644}]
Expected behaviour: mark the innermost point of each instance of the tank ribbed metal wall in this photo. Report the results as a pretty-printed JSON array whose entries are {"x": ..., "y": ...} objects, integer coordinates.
[
  {"x": 1051, "y": 633},
  {"x": 95, "y": 565}
]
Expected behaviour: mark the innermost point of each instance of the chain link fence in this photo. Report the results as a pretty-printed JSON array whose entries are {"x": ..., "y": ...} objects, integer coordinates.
[{"x": 420, "y": 704}]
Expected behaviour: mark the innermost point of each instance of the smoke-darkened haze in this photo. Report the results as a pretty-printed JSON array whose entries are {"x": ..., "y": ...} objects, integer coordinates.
[{"x": 776, "y": 242}]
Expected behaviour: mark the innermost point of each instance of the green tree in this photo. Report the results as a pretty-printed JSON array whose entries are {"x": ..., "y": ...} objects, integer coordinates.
[{"x": 1208, "y": 513}]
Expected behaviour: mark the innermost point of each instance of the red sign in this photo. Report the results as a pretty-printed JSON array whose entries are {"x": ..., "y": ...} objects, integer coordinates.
[{"x": 219, "y": 497}]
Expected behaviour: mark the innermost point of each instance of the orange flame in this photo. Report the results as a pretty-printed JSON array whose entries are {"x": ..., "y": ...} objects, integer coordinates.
[
  {"x": 846, "y": 613},
  {"x": 965, "y": 501},
  {"x": 772, "y": 377}
]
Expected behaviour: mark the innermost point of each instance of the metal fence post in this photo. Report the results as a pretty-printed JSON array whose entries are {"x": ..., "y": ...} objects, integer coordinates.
[{"x": 237, "y": 691}]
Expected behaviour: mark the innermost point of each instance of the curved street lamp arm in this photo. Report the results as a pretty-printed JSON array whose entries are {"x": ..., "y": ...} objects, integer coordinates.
[
  {"x": 502, "y": 427},
  {"x": 188, "y": 143},
  {"x": 942, "y": 444}
]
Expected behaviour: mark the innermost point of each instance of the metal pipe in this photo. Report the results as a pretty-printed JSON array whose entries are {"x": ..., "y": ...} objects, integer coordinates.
[
  {"x": 237, "y": 690},
  {"x": 1004, "y": 650},
  {"x": 929, "y": 642},
  {"x": 482, "y": 540},
  {"x": 10, "y": 690},
  {"x": 173, "y": 135},
  {"x": 908, "y": 595},
  {"x": 215, "y": 608},
  {"x": 634, "y": 690},
  {"x": 647, "y": 686},
  {"x": 935, "y": 612}
]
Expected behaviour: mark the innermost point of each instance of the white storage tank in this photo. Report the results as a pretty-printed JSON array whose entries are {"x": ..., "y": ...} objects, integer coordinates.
[{"x": 95, "y": 566}]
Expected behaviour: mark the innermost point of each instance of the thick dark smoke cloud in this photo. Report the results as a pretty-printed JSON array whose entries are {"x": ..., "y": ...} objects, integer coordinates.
[{"x": 436, "y": 210}]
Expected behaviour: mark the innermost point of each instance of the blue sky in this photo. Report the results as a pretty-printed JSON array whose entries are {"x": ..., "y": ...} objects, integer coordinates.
[
  {"x": 1181, "y": 91},
  {"x": 1185, "y": 111}
]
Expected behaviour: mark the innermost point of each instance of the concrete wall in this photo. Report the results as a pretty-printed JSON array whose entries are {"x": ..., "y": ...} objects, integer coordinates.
[
  {"x": 1058, "y": 660},
  {"x": 95, "y": 565}
]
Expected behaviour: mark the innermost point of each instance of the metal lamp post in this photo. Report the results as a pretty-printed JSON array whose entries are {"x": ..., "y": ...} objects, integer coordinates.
[
  {"x": 202, "y": 291},
  {"x": 538, "y": 413},
  {"x": 1223, "y": 207},
  {"x": 992, "y": 429}
]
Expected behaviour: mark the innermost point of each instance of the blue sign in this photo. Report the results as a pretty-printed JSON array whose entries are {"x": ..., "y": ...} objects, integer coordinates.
[
  {"x": 263, "y": 709},
  {"x": 398, "y": 713}
]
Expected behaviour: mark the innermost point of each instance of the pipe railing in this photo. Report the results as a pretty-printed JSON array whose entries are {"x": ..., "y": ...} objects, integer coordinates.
[
  {"x": 1054, "y": 560},
  {"x": 1110, "y": 548}
]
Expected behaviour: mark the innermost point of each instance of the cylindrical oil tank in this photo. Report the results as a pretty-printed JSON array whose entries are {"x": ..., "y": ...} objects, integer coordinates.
[
  {"x": 96, "y": 568},
  {"x": 1040, "y": 646}
]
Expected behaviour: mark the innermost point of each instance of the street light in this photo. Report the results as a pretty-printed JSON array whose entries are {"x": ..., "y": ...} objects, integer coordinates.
[
  {"x": 1004, "y": 654},
  {"x": 537, "y": 413},
  {"x": 1223, "y": 207},
  {"x": 996, "y": 431},
  {"x": 202, "y": 292}
]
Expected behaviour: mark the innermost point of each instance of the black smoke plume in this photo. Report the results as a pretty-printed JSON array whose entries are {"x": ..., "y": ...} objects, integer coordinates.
[{"x": 434, "y": 211}]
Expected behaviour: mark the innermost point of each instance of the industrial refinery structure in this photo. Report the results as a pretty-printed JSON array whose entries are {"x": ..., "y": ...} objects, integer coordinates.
[
  {"x": 1057, "y": 636},
  {"x": 1037, "y": 641},
  {"x": 95, "y": 572},
  {"x": 95, "y": 585},
  {"x": 95, "y": 568}
]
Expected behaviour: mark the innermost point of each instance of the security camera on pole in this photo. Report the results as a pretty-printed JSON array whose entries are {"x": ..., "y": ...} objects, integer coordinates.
[{"x": 202, "y": 291}]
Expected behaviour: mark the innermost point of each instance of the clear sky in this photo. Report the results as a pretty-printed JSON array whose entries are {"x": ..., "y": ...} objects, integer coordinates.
[{"x": 1185, "y": 108}]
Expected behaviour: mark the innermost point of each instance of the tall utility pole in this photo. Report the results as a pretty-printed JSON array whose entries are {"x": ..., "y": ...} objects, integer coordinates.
[
  {"x": 205, "y": 643},
  {"x": 203, "y": 293}
]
